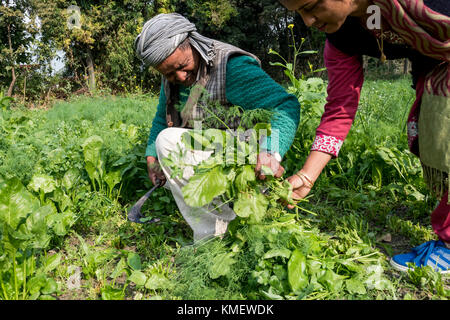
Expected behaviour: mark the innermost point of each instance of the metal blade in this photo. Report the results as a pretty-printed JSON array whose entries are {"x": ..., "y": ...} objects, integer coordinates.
[{"x": 135, "y": 214}]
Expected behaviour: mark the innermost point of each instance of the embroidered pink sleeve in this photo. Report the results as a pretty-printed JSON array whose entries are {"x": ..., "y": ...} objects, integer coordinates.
[
  {"x": 327, "y": 144},
  {"x": 345, "y": 79}
]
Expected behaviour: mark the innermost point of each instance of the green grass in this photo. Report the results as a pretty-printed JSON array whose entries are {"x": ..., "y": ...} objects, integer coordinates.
[{"x": 361, "y": 197}]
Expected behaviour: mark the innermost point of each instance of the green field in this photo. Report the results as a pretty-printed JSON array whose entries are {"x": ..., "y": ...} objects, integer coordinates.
[{"x": 69, "y": 174}]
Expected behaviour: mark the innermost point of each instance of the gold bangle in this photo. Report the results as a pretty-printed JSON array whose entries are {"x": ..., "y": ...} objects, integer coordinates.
[{"x": 306, "y": 180}]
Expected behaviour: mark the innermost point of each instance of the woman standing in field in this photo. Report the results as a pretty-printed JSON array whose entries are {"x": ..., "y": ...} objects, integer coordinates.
[{"x": 387, "y": 29}]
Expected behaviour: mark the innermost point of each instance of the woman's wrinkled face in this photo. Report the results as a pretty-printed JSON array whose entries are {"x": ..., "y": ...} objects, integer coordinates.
[
  {"x": 180, "y": 67},
  {"x": 326, "y": 15}
]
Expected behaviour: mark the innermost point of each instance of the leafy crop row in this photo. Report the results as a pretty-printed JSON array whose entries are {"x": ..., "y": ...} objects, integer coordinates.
[
  {"x": 54, "y": 168},
  {"x": 69, "y": 174}
]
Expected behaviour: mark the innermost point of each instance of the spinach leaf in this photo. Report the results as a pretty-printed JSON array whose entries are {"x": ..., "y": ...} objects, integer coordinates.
[
  {"x": 297, "y": 271},
  {"x": 204, "y": 187}
]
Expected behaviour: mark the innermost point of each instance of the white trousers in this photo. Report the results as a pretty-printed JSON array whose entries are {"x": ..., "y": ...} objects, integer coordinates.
[{"x": 207, "y": 221}]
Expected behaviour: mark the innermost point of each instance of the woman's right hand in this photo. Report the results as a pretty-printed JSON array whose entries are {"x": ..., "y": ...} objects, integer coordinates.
[
  {"x": 303, "y": 180},
  {"x": 300, "y": 188},
  {"x": 154, "y": 171}
]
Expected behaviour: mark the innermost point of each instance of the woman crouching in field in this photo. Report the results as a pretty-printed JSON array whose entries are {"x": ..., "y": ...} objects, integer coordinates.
[{"x": 387, "y": 29}]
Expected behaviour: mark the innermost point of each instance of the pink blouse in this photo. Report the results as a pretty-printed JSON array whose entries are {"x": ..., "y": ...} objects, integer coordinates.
[{"x": 345, "y": 80}]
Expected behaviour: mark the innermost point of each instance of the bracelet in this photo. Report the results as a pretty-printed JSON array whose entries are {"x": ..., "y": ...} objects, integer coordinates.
[{"x": 305, "y": 178}]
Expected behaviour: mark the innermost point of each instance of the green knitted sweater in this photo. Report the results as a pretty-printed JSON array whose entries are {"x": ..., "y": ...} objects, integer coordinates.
[{"x": 249, "y": 87}]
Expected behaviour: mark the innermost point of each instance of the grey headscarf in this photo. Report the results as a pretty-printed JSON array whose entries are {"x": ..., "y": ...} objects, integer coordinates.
[{"x": 162, "y": 34}]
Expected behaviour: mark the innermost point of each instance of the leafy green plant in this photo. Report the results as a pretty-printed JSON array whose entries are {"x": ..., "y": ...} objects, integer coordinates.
[
  {"x": 27, "y": 228},
  {"x": 311, "y": 93},
  {"x": 290, "y": 68},
  {"x": 5, "y": 101},
  {"x": 150, "y": 278},
  {"x": 428, "y": 279},
  {"x": 95, "y": 166},
  {"x": 42, "y": 184},
  {"x": 309, "y": 90}
]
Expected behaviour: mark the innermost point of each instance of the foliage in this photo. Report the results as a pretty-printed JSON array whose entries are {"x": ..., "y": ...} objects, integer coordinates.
[
  {"x": 88, "y": 250},
  {"x": 5, "y": 101},
  {"x": 16, "y": 40},
  {"x": 70, "y": 176},
  {"x": 100, "y": 51},
  {"x": 28, "y": 226},
  {"x": 70, "y": 173},
  {"x": 105, "y": 36},
  {"x": 219, "y": 116},
  {"x": 231, "y": 176},
  {"x": 282, "y": 259}
]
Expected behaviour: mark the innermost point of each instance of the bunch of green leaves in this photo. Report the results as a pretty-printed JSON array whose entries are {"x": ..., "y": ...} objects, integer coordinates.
[
  {"x": 282, "y": 259},
  {"x": 428, "y": 279},
  {"x": 228, "y": 175},
  {"x": 319, "y": 266}
]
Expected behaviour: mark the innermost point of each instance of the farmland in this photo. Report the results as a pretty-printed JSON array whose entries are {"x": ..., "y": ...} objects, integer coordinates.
[{"x": 68, "y": 175}]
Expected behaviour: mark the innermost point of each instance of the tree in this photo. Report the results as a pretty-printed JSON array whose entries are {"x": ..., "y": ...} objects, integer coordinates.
[
  {"x": 17, "y": 35},
  {"x": 99, "y": 48}
]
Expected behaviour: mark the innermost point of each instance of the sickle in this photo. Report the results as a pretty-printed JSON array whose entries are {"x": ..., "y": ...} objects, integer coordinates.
[{"x": 135, "y": 215}]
